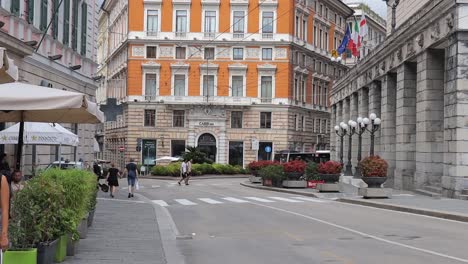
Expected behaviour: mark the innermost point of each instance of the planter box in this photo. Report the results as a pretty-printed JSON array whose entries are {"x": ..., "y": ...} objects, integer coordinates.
[
  {"x": 313, "y": 184},
  {"x": 71, "y": 246},
  {"x": 328, "y": 187},
  {"x": 369, "y": 193},
  {"x": 27, "y": 256},
  {"x": 61, "y": 252},
  {"x": 255, "y": 179},
  {"x": 295, "y": 184},
  {"x": 46, "y": 252},
  {"x": 91, "y": 217},
  {"x": 83, "y": 228}
]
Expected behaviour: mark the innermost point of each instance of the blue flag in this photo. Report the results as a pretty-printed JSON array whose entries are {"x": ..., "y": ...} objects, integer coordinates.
[{"x": 345, "y": 41}]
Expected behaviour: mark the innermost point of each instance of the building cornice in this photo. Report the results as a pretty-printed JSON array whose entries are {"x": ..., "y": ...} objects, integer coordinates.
[
  {"x": 428, "y": 27},
  {"x": 15, "y": 45}
]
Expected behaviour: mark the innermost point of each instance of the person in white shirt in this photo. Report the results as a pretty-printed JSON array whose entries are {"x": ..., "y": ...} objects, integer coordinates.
[{"x": 183, "y": 172}]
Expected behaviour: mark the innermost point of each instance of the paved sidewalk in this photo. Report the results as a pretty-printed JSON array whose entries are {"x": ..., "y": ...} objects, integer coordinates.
[
  {"x": 124, "y": 231},
  {"x": 403, "y": 201}
]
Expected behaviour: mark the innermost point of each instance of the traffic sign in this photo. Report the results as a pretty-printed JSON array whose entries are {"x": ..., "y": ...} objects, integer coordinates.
[{"x": 267, "y": 149}]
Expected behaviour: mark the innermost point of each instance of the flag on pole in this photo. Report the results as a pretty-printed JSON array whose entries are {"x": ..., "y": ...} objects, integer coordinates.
[
  {"x": 363, "y": 28},
  {"x": 355, "y": 42},
  {"x": 345, "y": 41}
]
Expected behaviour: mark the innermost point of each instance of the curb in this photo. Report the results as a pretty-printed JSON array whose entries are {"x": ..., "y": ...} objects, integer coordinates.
[
  {"x": 413, "y": 210},
  {"x": 274, "y": 189}
]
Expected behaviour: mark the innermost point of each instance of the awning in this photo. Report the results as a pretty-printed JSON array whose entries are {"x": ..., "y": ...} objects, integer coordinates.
[{"x": 39, "y": 134}]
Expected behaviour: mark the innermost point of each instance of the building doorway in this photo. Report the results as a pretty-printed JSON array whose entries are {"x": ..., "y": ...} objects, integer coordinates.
[{"x": 207, "y": 144}]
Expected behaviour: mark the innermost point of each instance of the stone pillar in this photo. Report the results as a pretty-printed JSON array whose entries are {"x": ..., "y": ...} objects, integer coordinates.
[
  {"x": 456, "y": 111},
  {"x": 363, "y": 105},
  {"x": 339, "y": 118},
  {"x": 388, "y": 133},
  {"x": 354, "y": 112},
  {"x": 346, "y": 116},
  {"x": 405, "y": 127},
  {"x": 429, "y": 119},
  {"x": 374, "y": 107},
  {"x": 333, "y": 146}
]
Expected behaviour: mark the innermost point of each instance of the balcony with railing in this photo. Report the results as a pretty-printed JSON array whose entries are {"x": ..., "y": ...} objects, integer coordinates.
[{"x": 221, "y": 36}]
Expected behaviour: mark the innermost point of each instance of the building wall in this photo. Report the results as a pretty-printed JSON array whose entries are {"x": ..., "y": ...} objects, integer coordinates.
[{"x": 405, "y": 10}]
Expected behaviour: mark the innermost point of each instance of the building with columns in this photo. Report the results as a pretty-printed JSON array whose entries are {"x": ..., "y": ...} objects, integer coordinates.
[
  {"x": 53, "y": 49},
  {"x": 416, "y": 82},
  {"x": 234, "y": 77}
]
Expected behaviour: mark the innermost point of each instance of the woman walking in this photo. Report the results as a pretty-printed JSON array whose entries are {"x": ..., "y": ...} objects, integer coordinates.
[{"x": 113, "y": 176}]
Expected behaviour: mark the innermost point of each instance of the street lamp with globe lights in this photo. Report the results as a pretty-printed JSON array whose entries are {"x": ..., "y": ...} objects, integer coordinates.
[
  {"x": 362, "y": 125},
  {"x": 352, "y": 130},
  {"x": 341, "y": 131},
  {"x": 375, "y": 126}
]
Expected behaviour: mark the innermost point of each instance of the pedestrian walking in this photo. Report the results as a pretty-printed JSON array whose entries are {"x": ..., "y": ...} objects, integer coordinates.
[
  {"x": 5, "y": 211},
  {"x": 189, "y": 171},
  {"x": 183, "y": 171},
  {"x": 97, "y": 170},
  {"x": 113, "y": 176},
  {"x": 132, "y": 176}
]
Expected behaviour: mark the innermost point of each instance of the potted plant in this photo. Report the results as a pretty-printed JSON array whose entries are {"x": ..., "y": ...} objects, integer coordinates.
[
  {"x": 272, "y": 175},
  {"x": 311, "y": 175},
  {"x": 38, "y": 212},
  {"x": 330, "y": 171},
  {"x": 374, "y": 171},
  {"x": 294, "y": 169},
  {"x": 255, "y": 167}
]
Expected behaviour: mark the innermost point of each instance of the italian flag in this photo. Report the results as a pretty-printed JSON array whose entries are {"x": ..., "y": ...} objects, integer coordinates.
[{"x": 355, "y": 42}]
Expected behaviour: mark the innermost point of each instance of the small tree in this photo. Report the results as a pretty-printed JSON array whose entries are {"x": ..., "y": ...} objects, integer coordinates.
[{"x": 195, "y": 154}]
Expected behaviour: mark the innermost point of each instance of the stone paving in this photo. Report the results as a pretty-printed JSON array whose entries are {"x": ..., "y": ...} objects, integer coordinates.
[{"x": 124, "y": 231}]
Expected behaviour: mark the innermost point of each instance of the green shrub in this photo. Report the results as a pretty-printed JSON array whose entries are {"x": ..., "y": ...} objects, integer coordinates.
[
  {"x": 39, "y": 213},
  {"x": 272, "y": 172},
  {"x": 196, "y": 155},
  {"x": 173, "y": 169},
  {"x": 311, "y": 171},
  {"x": 159, "y": 170}
]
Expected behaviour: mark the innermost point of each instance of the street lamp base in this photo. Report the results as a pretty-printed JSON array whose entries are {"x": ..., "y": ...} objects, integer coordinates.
[
  {"x": 357, "y": 173},
  {"x": 349, "y": 170}
]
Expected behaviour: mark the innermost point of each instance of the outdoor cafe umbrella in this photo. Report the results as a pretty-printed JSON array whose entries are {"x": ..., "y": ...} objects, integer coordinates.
[{"x": 21, "y": 102}]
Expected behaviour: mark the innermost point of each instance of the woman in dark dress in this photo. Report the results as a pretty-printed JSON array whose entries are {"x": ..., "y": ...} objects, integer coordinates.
[{"x": 112, "y": 178}]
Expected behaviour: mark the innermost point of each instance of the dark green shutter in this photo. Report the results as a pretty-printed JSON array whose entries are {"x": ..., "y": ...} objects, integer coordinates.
[
  {"x": 55, "y": 19},
  {"x": 75, "y": 25},
  {"x": 30, "y": 11},
  {"x": 84, "y": 25},
  {"x": 66, "y": 22},
  {"x": 43, "y": 24},
  {"x": 15, "y": 6}
]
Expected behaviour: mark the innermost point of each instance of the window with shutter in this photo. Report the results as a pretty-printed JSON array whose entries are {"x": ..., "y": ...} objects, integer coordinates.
[
  {"x": 30, "y": 11},
  {"x": 84, "y": 20},
  {"x": 66, "y": 22},
  {"x": 55, "y": 19},
  {"x": 75, "y": 24},
  {"x": 15, "y": 6},
  {"x": 43, "y": 24}
]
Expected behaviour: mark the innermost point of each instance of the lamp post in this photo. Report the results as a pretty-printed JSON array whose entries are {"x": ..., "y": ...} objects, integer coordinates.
[
  {"x": 394, "y": 7},
  {"x": 375, "y": 125},
  {"x": 362, "y": 125},
  {"x": 341, "y": 131},
  {"x": 352, "y": 130}
]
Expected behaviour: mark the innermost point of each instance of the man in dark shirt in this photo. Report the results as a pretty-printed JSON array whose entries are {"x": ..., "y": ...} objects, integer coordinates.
[{"x": 132, "y": 176}]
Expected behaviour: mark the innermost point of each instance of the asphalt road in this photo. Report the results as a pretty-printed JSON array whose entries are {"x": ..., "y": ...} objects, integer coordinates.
[{"x": 222, "y": 222}]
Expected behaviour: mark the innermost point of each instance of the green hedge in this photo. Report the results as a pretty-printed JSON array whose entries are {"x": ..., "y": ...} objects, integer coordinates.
[{"x": 173, "y": 169}]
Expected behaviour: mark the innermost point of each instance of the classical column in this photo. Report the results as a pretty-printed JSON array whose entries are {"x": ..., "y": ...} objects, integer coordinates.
[
  {"x": 455, "y": 112},
  {"x": 332, "y": 131},
  {"x": 353, "y": 116},
  {"x": 363, "y": 111},
  {"x": 405, "y": 126},
  {"x": 388, "y": 134},
  {"x": 375, "y": 107},
  {"x": 339, "y": 118},
  {"x": 430, "y": 119},
  {"x": 346, "y": 117}
]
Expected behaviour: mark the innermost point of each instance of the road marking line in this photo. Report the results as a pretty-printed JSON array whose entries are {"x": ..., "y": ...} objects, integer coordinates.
[
  {"x": 210, "y": 201},
  {"x": 366, "y": 234},
  {"x": 155, "y": 186},
  {"x": 160, "y": 202},
  {"x": 184, "y": 202},
  {"x": 120, "y": 200},
  {"x": 200, "y": 184},
  {"x": 315, "y": 200},
  {"x": 259, "y": 199},
  {"x": 286, "y": 200},
  {"x": 235, "y": 200}
]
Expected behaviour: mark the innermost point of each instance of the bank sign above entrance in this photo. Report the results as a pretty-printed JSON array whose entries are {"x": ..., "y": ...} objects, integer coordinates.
[{"x": 199, "y": 123}]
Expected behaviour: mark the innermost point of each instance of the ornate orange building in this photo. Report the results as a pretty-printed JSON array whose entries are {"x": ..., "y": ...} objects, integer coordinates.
[{"x": 239, "y": 78}]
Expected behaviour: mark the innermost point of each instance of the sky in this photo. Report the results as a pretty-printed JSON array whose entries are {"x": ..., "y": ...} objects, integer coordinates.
[{"x": 378, "y": 6}]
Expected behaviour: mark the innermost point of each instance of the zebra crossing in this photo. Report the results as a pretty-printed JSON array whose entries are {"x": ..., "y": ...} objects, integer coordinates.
[
  {"x": 174, "y": 184},
  {"x": 234, "y": 200}
]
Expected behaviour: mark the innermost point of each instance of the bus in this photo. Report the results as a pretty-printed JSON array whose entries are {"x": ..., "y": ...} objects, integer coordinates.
[{"x": 318, "y": 156}]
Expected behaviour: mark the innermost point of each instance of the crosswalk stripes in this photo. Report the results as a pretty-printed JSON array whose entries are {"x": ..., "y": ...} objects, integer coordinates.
[
  {"x": 234, "y": 200},
  {"x": 210, "y": 201},
  {"x": 259, "y": 199},
  {"x": 315, "y": 200},
  {"x": 160, "y": 202},
  {"x": 286, "y": 199},
  {"x": 184, "y": 202}
]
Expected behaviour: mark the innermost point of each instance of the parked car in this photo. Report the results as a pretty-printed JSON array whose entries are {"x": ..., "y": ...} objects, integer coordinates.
[{"x": 66, "y": 165}]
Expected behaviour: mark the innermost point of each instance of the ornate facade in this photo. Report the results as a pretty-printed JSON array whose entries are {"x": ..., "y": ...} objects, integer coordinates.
[{"x": 416, "y": 82}]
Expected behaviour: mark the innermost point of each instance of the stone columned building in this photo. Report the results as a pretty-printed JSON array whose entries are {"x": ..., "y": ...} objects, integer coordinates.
[{"x": 417, "y": 82}]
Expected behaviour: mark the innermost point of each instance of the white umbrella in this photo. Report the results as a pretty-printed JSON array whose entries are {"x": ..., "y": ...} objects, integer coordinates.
[
  {"x": 21, "y": 102},
  {"x": 167, "y": 159},
  {"x": 39, "y": 134}
]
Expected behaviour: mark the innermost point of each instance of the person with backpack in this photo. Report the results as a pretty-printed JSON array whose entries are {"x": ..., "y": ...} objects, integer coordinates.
[
  {"x": 132, "y": 176},
  {"x": 5, "y": 208}
]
